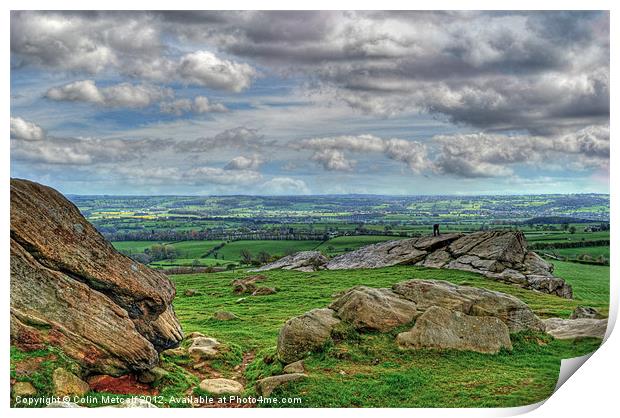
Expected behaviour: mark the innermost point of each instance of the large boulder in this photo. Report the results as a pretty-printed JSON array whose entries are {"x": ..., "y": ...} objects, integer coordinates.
[
  {"x": 390, "y": 253},
  {"x": 70, "y": 288},
  {"x": 500, "y": 255},
  {"x": 368, "y": 308},
  {"x": 470, "y": 300},
  {"x": 567, "y": 329},
  {"x": 445, "y": 329},
  {"x": 306, "y": 333},
  {"x": 301, "y": 261}
]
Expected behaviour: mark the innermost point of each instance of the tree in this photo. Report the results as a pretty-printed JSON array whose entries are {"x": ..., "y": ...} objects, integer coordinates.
[
  {"x": 263, "y": 257},
  {"x": 246, "y": 256},
  {"x": 572, "y": 229},
  {"x": 565, "y": 226}
]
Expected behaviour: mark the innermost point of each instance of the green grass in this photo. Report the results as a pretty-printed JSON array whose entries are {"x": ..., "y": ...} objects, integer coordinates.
[
  {"x": 369, "y": 371},
  {"x": 593, "y": 252},
  {"x": 299, "y": 292}
]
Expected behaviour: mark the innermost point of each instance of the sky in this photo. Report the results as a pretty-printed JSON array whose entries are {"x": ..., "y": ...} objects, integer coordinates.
[{"x": 322, "y": 102}]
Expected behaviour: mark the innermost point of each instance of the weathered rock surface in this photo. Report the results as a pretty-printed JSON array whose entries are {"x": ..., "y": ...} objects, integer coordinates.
[
  {"x": 296, "y": 367},
  {"x": 567, "y": 329},
  {"x": 390, "y": 253},
  {"x": 264, "y": 291},
  {"x": 266, "y": 386},
  {"x": 101, "y": 308},
  {"x": 368, "y": 308},
  {"x": 66, "y": 383},
  {"x": 23, "y": 389},
  {"x": 586, "y": 312},
  {"x": 441, "y": 328},
  {"x": 134, "y": 403},
  {"x": 221, "y": 386},
  {"x": 225, "y": 316},
  {"x": 203, "y": 348},
  {"x": 305, "y": 333},
  {"x": 301, "y": 261},
  {"x": 247, "y": 284},
  {"x": 470, "y": 300},
  {"x": 499, "y": 255}
]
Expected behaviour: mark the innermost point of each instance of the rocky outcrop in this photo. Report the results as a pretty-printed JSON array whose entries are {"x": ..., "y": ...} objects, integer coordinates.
[
  {"x": 306, "y": 333},
  {"x": 247, "y": 284},
  {"x": 586, "y": 312},
  {"x": 567, "y": 329},
  {"x": 367, "y": 308},
  {"x": 499, "y": 255},
  {"x": 71, "y": 289},
  {"x": 443, "y": 329},
  {"x": 301, "y": 261},
  {"x": 471, "y": 301},
  {"x": 447, "y": 316}
]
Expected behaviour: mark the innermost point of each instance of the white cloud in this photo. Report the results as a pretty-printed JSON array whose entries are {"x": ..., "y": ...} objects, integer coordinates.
[
  {"x": 244, "y": 163},
  {"x": 23, "y": 129},
  {"x": 118, "y": 95},
  {"x": 203, "y": 68},
  {"x": 284, "y": 186},
  {"x": 220, "y": 176},
  {"x": 328, "y": 151},
  {"x": 200, "y": 104}
]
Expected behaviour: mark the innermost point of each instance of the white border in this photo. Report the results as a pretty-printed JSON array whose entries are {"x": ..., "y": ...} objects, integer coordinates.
[{"x": 591, "y": 392}]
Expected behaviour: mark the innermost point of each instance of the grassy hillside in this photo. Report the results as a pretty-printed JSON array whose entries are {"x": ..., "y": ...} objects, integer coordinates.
[
  {"x": 368, "y": 370},
  {"x": 372, "y": 371}
]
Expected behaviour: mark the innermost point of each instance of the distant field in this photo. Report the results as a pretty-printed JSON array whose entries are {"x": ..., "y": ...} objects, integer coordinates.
[
  {"x": 593, "y": 252},
  {"x": 550, "y": 237},
  {"x": 349, "y": 243},
  {"x": 187, "y": 251}
]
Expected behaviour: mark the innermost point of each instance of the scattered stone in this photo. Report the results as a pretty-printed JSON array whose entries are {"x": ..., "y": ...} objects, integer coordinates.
[
  {"x": 66, "y": 383},
  {"x": 368, "y": 308},
  {"x": 247, "y": 284},
  {"x": 566, "y": 329},
  {"x": 191, "y": 292},
  {"x": 62, "y": 404},
  {"x": 203, "y": 348},
  {"x": 23, "y": 389},
  {"x": 225, "y": 316},
  {"x": 221, "y": 386},
  {"x": 470, "y": 300},
  {"x": 134, "y": 403},
  {"x": 295, "y": 367},
  {"x": 445, "y": 329},
  {"x": 107, "y": 312},
  {"x": 263, "y": 291},
  {"x": 195, "y": 334},
  {"x": 152, "y": 376},
  {"x": 266, "y": 386},
  {"x": 240, "y": 300},
  {"x": 306, "y": 333},
  {"x": 307, "y": 261},
  {"x": 179, "y": 351},
  {"x": 586, "y": 312}
]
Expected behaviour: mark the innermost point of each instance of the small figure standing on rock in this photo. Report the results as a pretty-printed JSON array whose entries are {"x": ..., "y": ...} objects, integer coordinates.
[{"x": 436, "y": 230}]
